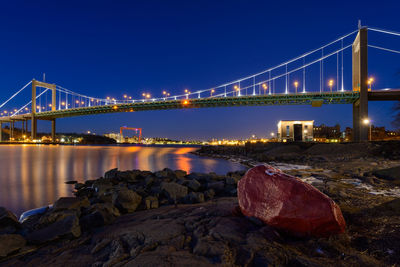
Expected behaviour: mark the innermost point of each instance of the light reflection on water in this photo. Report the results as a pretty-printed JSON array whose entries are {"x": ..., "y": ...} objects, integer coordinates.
[{"x": 32, "y": 176}]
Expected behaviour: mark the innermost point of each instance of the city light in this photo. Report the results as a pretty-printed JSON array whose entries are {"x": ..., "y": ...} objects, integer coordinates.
[
  {"x": 296, "y": 84},
  {"x": 212, "y": 91},
  {"x": 366, "y": 121},
  {"x": 185, "y": 102}
]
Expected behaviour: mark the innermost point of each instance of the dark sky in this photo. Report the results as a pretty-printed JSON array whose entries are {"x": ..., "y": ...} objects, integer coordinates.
[{"x": 111, "y": 48}]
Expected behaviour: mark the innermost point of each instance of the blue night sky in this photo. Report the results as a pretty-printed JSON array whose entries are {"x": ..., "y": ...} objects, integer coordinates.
[{"x": 111, "y": 48}]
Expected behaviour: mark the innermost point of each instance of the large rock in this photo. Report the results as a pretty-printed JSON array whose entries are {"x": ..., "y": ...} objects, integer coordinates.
[
  {"x": 126, "y": 200},
  {"x": 8, "y": 222},
  {"x": 71, "y": 203},
  {"x": 193, "y": 185},
  {"x": 174, "y": 191},
  {"x": 287, "y": 203},
  {"x": 391, "y": 174},
  {"x": 68, "y": 227},
  {"x": 10, "y": 243}
]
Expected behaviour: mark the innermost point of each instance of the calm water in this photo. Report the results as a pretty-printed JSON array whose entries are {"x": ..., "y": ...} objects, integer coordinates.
[{"x": 32, "y": 176}]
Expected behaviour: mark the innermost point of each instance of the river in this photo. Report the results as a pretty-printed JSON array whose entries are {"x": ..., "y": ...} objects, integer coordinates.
[{"x": 32, "y": 176}]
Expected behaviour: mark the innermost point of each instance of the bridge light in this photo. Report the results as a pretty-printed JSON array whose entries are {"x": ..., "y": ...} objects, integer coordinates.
[
  {"x": 108, "y": 98},
  {"x": 370, "y": 81},
  {"x": 130, "y": 97},
  {"x": 185, "y": 102},
  {"x": 144, "y": 94},
  {"x": 77, "y": 101},
  {"x": 62, "y": 103},
  {"x": 212, "y": 91},
  {"x": 330, "y": 83},
  {"x": 164, "y": 92},
  {"x": 5, "y": 111},
  {"x": 296, "y": 84},
  {"x": 125, "y": 96},
  {"x": 50, "y": 105},
  {"x": 115, "y": 107},
  {"x": 26, "y": 108},
  {"x": 148, "y": 95}
]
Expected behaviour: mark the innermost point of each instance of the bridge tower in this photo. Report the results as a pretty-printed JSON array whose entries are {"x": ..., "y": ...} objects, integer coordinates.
[
  {"x": 52, "y": 87},
  {"x": 360, "y": 84}
]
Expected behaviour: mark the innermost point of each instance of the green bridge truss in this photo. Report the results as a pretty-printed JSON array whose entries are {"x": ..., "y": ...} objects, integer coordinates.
[{"x": 314, "y": 99}]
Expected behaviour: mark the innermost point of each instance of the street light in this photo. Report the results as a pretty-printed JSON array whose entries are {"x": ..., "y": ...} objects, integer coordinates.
[
  {"x": 370, "y": 81},
  {"x": 330, "y": 83},
  {"x": 367, "y": 121},
  {"x": 265, "y": 87},
  {"x": 212, "y": 91},
  {"x": 296, "y": 84},
  {"x": 237, "y": 89}
]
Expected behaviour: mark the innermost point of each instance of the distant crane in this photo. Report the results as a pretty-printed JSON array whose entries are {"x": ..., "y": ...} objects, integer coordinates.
[{"x": 132, "y": 129}]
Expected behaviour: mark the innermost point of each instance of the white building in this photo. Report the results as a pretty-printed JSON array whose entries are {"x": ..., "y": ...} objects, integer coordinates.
[{"x": 295, "y": 131}]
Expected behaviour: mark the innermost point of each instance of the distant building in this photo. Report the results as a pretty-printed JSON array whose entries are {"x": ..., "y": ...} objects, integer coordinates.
[
  {"x": 325, "y": 133},
  {"x": 115, "y": 136},
  {"x": 295, "y": 131}
]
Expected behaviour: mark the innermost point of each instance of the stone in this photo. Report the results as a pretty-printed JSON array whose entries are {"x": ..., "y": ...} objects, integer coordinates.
[
  {"x": 165, "y": 173},
  {"x": 174, "y": 191},
  {"x": 216, "y": 186},
  {"x": 99, "y": 214},
  {"x": 200, "y": 177},
  {"x": 79, "y": 186},
  {"x": 8, "y": 222},
  {"x": 194, "y": 197},
  {"x": 10, "y": 243},
  {"x": 151, "y": 202},
  {"x": 126, "y": 200},
  {"x": 111, "y": 173},
  {"x": 65, "y": 228},
  {"x": 287, "y": 203},
  {"x": 193, "y": 185},
  {"x": 209, "y": 194},
  {"x": 180, "y": 173},
  {"x": 230, "y": 181},
  {"x": 390, "y": 174},
  {"x": 71, "y": 203}
]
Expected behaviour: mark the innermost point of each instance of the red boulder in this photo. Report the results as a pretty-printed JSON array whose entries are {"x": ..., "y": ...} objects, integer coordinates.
[{"x": 287, "y": 203}]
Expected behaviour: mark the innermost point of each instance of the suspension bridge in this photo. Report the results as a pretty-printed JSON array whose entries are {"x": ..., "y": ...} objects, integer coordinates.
[{"x": 273, "y": 86}]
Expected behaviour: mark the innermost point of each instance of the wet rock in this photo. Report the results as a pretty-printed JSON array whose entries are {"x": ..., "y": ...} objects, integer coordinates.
[
  {"x": 10, "y": 243},
  {"x": 65, "y": 228},
  {"x": 126, "y": 200},
  {"x": 71, "y": 182},
  {"x": 98, "y": 215},
  {"x": 102, "y": 186},
  {"x": 8, "y": 222},
  {"x": 151, "y": 202},
  {"x": 193, "y": 184},
  {"x": 174, "y": 191}
]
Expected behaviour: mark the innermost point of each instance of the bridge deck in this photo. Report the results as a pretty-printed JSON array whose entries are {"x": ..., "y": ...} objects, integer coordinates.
[{"x": 257, "y": 100}]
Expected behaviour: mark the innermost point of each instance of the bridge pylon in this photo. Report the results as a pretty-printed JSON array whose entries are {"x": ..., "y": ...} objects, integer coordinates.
[
  {"x": 360, "y": 83},
  {"x": 52, "y": 87}
]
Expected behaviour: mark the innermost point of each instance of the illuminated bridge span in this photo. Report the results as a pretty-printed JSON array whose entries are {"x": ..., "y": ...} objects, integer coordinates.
[{"x": 289, "y": 83}]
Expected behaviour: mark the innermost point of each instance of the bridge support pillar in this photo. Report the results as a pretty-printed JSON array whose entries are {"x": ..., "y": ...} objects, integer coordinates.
[
  {"x": 53, "y": 130},
  {"x": 33, "y": 127},
  {"x": 11, "y": 130},
  {"x": 360, "y": 83},
  {"x": 1, "y": 132}
]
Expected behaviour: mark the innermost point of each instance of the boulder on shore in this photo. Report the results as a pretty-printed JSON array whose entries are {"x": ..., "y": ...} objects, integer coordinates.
[
  {"x": 8, "y": 222},
  {"x": 10, "y": 243},
  {"x": 287, "y": 203}
]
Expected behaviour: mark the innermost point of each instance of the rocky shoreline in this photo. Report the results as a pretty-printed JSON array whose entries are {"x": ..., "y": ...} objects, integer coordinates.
[{"x": 171, "y": 218}]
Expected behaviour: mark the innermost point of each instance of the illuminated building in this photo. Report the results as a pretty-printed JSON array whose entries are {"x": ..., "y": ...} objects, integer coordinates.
[{"x": 295, "y": 131}]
